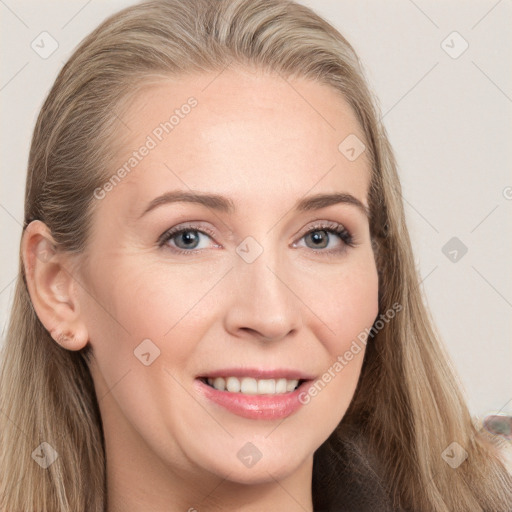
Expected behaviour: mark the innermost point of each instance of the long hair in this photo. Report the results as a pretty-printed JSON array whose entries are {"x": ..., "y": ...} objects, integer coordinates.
[{"x": 407, "y": 408}]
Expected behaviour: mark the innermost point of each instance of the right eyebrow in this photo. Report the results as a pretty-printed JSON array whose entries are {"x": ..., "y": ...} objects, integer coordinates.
[{"x": 215, "y": 201}]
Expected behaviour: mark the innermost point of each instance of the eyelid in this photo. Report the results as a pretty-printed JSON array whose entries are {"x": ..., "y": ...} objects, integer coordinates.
[{"x": 322, "y": 224}]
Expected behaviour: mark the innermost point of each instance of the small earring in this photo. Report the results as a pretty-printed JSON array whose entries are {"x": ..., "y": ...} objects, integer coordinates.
[{"x": 62, "y": 337}]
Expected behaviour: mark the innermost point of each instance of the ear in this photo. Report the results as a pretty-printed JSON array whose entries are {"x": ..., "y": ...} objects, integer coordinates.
[{"x": 52, "y": 287}]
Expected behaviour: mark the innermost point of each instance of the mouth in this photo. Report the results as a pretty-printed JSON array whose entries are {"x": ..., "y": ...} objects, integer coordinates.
[
  {"x": 260, "y": 395},
  {"x": 252, "y": 386}
]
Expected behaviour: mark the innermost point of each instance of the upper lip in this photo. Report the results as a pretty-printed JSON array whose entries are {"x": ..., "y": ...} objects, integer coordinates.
[{"x": 259, "y": 373}]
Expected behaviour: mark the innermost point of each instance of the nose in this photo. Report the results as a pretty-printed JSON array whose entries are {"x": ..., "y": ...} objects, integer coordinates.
[{"x": 263, "y": 304}]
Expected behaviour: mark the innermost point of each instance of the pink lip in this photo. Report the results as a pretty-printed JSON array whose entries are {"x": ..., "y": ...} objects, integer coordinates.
[
  {"x": 263, "y": 407},
  {"x": 256, "y": 373}
]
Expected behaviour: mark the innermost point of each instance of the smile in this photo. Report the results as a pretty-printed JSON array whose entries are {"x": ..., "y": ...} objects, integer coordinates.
[
  {"x": 252, "y": 386},
  {"x": 262, "y": 395}
]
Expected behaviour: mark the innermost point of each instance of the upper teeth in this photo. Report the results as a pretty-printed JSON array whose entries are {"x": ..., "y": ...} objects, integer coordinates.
[{"x": 251, "y": 386}]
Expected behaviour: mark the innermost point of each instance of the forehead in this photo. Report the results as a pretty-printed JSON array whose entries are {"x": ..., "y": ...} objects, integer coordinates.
[{"x": 251, "y": 135}]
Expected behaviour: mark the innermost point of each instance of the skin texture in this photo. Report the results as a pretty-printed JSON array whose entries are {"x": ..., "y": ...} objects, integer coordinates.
[{"x": 264, "y": 144}]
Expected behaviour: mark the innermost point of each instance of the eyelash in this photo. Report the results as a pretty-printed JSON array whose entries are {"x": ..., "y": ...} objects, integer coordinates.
[{"x": 329, "y": 227}]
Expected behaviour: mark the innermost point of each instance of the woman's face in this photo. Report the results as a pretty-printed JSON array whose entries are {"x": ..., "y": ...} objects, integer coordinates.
[{"x": 243, "y": 294}]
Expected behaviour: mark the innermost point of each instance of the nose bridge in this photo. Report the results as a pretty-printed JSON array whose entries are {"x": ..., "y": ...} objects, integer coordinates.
[
  {"x": 262, "y": 300},
  {"x": 262, "y": 277}
]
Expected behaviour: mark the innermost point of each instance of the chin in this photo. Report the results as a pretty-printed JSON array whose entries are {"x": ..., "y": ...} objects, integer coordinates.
[{"x": 251, "y": 466}]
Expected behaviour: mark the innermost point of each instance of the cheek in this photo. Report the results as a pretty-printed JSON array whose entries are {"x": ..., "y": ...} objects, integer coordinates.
[
  {"x": 347, "y": 308},
  {"x": 129, "y": 306},
  {"x": 345, "y": 300},
  {"x": 145, "y": 327},
  {"x": 353, "y": 307}
]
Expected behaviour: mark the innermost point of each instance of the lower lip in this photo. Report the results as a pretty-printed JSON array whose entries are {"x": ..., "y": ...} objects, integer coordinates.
[{"x": 254, "y": 407}]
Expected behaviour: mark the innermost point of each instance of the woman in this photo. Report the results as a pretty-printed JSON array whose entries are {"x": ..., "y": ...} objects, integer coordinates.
[{"x": 217, "y": 306}]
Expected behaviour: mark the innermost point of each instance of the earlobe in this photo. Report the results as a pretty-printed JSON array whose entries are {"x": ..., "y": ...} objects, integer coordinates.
[{"x": 52, "y": 287}]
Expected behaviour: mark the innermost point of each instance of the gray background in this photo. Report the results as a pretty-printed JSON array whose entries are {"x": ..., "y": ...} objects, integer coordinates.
[{"x": 448, "y": 114}]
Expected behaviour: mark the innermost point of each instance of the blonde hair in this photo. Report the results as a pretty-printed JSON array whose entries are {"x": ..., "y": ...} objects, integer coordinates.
[{"x": 407, "y": 408}]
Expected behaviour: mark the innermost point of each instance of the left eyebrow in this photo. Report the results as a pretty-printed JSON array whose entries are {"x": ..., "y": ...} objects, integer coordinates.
[
  {"x": 224, "y": 204},
  {"x": 323, "y": 200}
]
